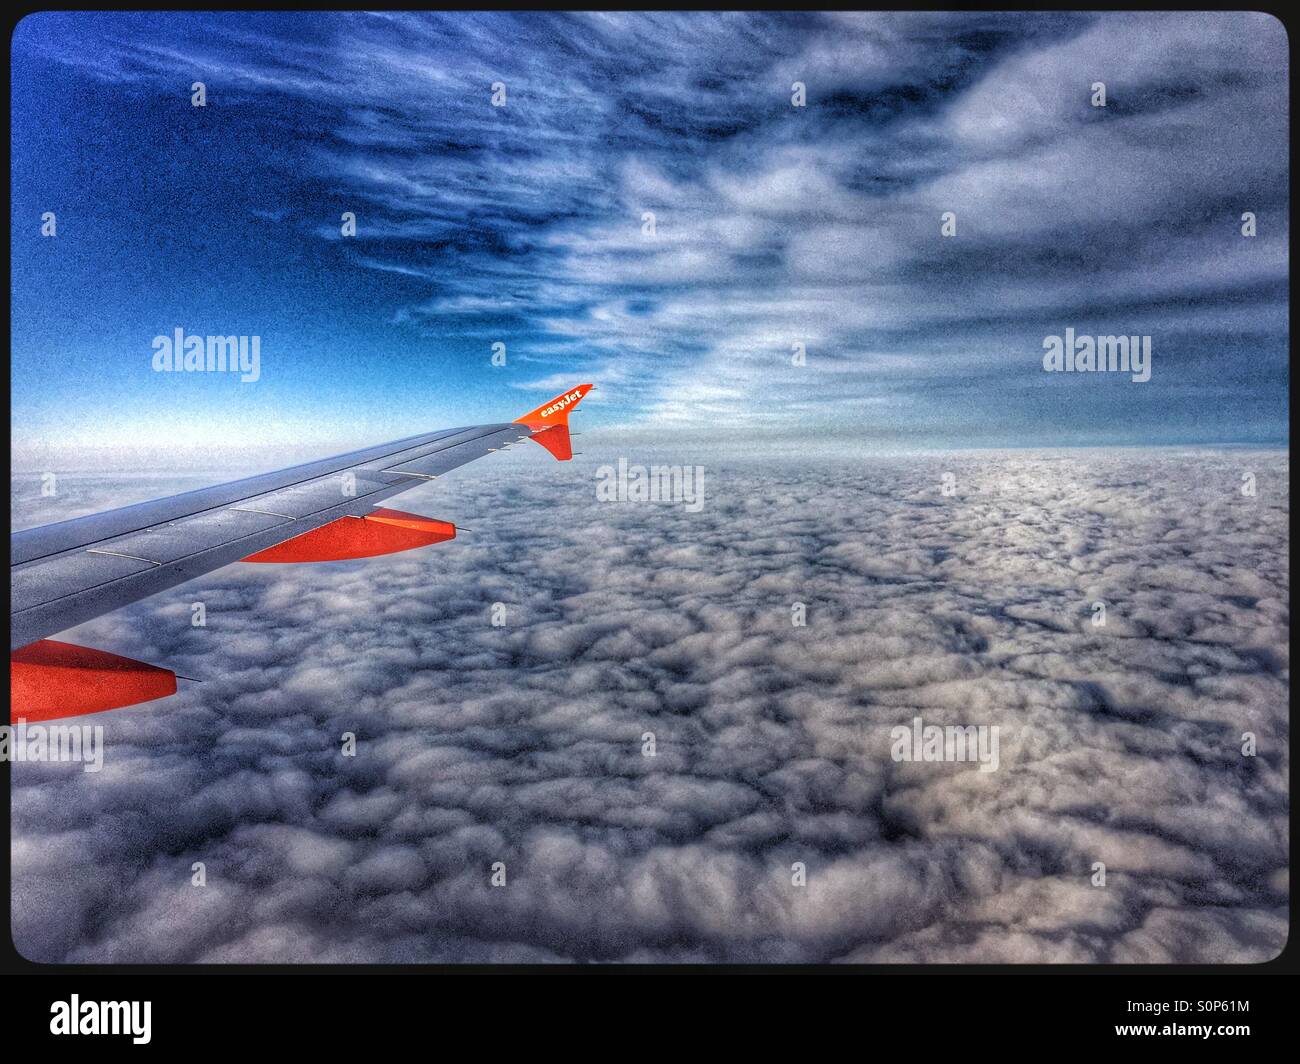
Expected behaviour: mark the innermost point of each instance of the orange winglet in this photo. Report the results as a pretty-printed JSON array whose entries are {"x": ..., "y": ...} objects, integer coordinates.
[
  {"x": 49, "y": 679},
  {"x": 382, "y": 532},
  {"x": 549, "y": 423},
  {"x": 556, "y": 440},
  {"x": 557, "y": 411}
]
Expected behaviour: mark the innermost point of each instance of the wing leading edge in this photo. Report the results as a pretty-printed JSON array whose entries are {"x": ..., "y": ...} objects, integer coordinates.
[{"x": 67, "y": 573}]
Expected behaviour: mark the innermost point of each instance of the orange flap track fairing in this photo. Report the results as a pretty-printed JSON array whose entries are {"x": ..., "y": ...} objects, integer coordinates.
[
  {"x": 50, "y": 679},
  {"x": 382, "y": 532}
]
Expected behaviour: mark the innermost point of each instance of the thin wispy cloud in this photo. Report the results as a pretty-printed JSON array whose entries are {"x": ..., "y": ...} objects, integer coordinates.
[{"x": 773, "y": 224}]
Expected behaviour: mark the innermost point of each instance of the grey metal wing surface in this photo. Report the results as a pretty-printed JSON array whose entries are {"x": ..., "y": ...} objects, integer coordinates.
[{"x": 66, "y": 573}]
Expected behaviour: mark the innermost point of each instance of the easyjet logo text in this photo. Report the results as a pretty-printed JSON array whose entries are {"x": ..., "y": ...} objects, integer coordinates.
[{"x": 562, "y": 402}]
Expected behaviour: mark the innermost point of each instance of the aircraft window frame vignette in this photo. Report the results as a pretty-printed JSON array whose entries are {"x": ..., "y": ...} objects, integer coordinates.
[{"x": 920, "y": 604}]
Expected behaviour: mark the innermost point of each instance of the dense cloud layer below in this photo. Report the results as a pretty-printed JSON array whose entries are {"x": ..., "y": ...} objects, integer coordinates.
[{"x": 523, "y": 743}]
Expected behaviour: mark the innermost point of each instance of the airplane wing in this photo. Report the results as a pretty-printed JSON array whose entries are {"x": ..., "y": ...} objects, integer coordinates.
[{"x": 69, "y": 572}]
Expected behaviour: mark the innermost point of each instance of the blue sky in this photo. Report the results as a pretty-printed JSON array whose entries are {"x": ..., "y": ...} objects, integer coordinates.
[{"x": 523, "y": 224}]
